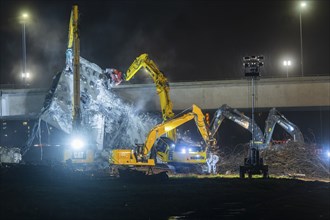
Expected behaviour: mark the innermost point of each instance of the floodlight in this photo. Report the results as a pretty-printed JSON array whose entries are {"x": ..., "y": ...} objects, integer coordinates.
[{"x": 77, "y": 143}]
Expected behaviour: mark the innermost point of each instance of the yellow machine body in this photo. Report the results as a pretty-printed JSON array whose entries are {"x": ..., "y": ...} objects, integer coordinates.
[
  {"x": 128, "y": 157},
  {"x": 79, "y": 156}
]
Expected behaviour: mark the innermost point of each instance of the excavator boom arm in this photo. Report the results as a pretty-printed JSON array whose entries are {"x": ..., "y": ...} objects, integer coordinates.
[
  {"x": 162, "y": 85},
  {"x": 233, "y": 114},
  {"x": 167, "y": 126},
  {"x": 275, "y": 117}
]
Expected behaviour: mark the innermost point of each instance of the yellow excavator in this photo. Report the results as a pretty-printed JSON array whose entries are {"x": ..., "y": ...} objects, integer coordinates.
[
  {"x": 77, "y": 153},
  {"x": 166, "y": 153},
  {"x": 162, "y": 86},
  {"x": 146, "y": 154}
]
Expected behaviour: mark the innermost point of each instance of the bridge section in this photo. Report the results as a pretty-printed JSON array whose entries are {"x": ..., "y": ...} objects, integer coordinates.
[
  {"x": 277, "y": 92},
  {"x": 270, "y": 92}
]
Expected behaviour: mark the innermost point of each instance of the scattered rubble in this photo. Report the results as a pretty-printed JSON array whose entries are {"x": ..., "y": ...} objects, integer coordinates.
[
  {"x": 291, "y": 159},
  {"x": 10, "y": 155},
  {"x": 109, "y": 120}
]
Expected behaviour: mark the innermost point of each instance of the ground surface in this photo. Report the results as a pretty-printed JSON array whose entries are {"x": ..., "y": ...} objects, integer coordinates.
[{"x": 45, "y": 193}]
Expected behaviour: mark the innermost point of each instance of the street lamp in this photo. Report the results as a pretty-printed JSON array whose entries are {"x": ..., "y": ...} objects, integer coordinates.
[
  {"x": 302, "y": 6},
  {"x": 287, "y": 64},
  {"x": 25, "y": 74}
]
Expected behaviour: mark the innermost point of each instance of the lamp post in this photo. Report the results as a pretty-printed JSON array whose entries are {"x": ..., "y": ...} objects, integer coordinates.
[
  {"x": 25, "y": 74},
  {"x": 287, "y": 64},
  {"x": 302, "y": 6}
]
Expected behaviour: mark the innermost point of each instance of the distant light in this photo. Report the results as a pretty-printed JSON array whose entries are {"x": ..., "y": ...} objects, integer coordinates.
[
  {"x": 25, "y": 15},
  {"x": 303, "y": 4},
  {"x": 287, "y": 62},
  {"x": 189, "y": 149},
  {"x": 26, "y": 75}
]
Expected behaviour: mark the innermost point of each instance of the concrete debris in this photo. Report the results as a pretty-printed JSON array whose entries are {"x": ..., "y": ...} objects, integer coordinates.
[
  {"x": 291, "y": 159},
  {"x": 10, "y": 155},
  {"x": 294, "y": 159},
  {"x": 108, "y": 120}
]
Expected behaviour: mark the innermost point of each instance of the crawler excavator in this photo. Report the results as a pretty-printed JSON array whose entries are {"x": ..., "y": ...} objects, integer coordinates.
[
  {"x": 145, "y": 154},
  {"x": 275, "y": 117},
  {"x": 170, "y": 156},
  {"x": 79, "y": 152},
  {"x": 260, "y": 139},
  {"x": 162, "y": 86},
  {"x": 233, "y": 114}
]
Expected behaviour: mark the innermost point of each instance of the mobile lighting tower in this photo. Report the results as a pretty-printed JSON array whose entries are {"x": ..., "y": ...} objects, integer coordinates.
[{"x": 253, "y": 164}]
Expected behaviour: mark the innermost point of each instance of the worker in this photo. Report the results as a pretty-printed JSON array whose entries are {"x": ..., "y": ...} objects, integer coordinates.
[{"x": 212, "y": 161}]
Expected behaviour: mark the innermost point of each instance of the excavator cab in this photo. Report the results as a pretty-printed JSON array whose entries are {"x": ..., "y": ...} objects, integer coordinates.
[
  {"x": 114, "y": 76},
  {"x": 180, "y": 151}
]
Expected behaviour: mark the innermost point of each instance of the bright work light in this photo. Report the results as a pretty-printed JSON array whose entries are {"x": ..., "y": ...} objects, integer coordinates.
[{"x": 77, "y": 143}]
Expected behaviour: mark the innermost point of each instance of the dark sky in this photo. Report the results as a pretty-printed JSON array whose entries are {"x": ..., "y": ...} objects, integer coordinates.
[{"x": 189, "y": 40}]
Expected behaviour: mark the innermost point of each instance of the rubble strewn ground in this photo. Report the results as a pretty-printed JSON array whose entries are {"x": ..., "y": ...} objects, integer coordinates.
[{"x": 290, "y": 159}]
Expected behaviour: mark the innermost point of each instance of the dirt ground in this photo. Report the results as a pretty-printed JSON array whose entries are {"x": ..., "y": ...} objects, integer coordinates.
[{"x": 49, "y": 193}]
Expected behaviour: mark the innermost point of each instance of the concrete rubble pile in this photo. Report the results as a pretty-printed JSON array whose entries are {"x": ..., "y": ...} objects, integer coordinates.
[
  {"x": 291, "y": 159},
  {"x": 10, "y": 155},
  {"x": 104, "y": 114}
]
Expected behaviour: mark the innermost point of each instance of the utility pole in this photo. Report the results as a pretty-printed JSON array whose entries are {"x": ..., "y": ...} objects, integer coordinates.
[
  {"x": 25, "y": 74},
  {"x": 302, "y": 6}
]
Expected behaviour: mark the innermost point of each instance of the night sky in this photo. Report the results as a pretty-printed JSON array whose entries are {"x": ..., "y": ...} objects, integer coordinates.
[{"x": 189, "y": 40}]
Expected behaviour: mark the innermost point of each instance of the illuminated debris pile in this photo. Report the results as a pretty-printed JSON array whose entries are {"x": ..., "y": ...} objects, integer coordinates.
[
  {"x": 291, "y": 159},
  {"x": 296, "y": 159},
  {"x": 103, "y": 113},
  {"x": 231, "y": 158}
]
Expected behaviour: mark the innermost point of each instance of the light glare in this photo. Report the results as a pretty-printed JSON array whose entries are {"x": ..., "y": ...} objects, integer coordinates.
[
  {"x": 303, "y": 4},
  {"x": 287, "y": 63},
  {"x": 77, "y": 143}
]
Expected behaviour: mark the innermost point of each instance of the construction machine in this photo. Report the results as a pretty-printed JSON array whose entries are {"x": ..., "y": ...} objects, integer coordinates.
[
  {"x": 172, "y": 157},
  {"x": 78, "y": 152},
  {"x": 275, "y": 117},
  {"x": 260, "y": 139},
  {"x": 239, "y": 118},
  {"x": 148, "y": 153},
  {"x": 162, "y": 86}
]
